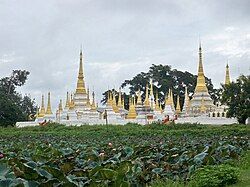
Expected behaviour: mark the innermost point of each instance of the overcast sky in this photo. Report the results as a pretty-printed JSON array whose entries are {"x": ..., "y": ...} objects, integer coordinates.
[{"x": 120, "y": 38}]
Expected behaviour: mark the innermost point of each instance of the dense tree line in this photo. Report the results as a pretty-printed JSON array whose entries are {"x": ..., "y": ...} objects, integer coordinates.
[{"x": 13, "y": 106}]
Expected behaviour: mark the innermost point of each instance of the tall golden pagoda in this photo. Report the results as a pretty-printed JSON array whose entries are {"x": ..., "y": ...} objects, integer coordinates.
[
  {"x": 42, "y": 109},
  {"x": 227, "y": 78},
  {"x": 201, "y": 92},
  {"x": 81, "y": 99}
]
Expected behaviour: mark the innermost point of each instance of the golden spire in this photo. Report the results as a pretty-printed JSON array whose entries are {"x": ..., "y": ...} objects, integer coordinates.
[
  {"x": 67, "y": 101},
  {"x": 146, "y": 101},
  {"x": 172, "y": 98},
  {"x": 114, "y": 105},
  {"x": 88, "y": 99},
  {"x": 120, "y": 99},
  {"x": 178, "y": 107},
  {"x": 132, "y": 111},
  {"x": 42, "y": 110},
  {"x": 151, "y": 88},
  {"x": 93, "y": 107},
  {"x": 60, "y": 106},
  {"x": 157, "y": 107},
  {"x": 167, "y": 98},
  {"x": 201, "y": 84},
  {"x": 123, "y": 103},
  {"x": 72, "y": 103},
  {"x": 48, "y": 111},
  {"x": 227, "y": 79},
  {"x": 80, "y": 82},
  {"x": 186, "y": 101}
]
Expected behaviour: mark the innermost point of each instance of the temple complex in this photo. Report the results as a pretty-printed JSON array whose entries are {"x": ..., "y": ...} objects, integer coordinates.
[{"x": 81, "y": 108}]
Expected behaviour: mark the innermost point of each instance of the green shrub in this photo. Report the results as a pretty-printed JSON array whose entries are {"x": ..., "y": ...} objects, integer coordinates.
[{"x": 219, "y": 176}]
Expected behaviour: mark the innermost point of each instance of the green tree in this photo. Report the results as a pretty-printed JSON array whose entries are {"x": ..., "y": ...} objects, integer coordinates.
[
  {"x": 236, "y": 96},
  {"x": 14, "y": 107}
]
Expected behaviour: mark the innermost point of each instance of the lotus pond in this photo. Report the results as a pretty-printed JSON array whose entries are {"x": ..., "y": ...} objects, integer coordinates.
[{"x": 130, "y": 155}]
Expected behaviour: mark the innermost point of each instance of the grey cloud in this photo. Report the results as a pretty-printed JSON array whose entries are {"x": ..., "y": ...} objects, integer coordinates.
[{"x": 120, "y": 39}]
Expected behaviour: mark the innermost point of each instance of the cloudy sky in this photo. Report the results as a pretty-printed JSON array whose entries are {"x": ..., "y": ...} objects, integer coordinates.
[{"x": 120, "y": 38}]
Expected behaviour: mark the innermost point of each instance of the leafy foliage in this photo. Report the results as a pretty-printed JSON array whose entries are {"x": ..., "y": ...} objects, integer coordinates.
[
  {"x": 212, "y": 176},
  {"x": 236, "y": 95},
  {"x": 115, "y": 155},
  {"x": 14, "y": 107}
]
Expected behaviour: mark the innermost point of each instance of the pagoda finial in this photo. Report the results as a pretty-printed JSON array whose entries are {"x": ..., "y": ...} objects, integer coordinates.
[
  {"x": 227, "y": 78},
  {"x": 201, "y": 84},
  {"x": 42, "y": 109},
  {"x": 146, "y": 101},
  {"x": 80, "y": 82},
  {"x": 48, "y": 111}
]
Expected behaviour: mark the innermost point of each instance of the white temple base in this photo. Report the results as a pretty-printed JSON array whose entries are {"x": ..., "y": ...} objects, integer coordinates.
[{"x": 207, "y": 120}]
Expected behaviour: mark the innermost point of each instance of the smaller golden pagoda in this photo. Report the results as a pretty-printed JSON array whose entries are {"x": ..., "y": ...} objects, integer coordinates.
[
  {"x": 48, "y": 111},
  {"x": 72, "y": 103},
  {"x": 93, "y": 106},
  {"x": 60, "y": 108},
  {"x": 132, "y": 112},
  {"x": 157, "y": 105},
  {"x": 178, "y": 107},
  {"x": 114, "y": 105},
  {"x": 119, "y": 105},
  {"x": 42, "y": 109},
  {"x": 67, "y": 101}
]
